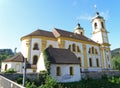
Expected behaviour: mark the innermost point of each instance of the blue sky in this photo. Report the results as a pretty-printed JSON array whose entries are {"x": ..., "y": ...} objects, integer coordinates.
[{"x": 21, "y": 17}]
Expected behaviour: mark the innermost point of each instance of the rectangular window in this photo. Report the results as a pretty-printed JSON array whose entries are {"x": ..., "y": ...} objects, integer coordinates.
[
  {"x": 71, "y": 71},
  {"x": 97, "y": 62},
  {"x": 58, "y": 71},
  {"x": 90, "y": 62}
]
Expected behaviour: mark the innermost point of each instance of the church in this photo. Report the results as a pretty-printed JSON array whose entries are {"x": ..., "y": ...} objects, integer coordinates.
[{"x": 69, "y": 53}]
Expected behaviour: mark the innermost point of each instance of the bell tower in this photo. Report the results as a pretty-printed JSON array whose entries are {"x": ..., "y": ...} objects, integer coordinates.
[
  {"x": 100, "y": 35},
  {"x": 79, "y": 30}
]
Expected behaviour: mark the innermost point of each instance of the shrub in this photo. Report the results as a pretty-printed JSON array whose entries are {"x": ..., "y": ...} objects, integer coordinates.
[
  {"x": 11, "y": 70},
  {"x": 30, "y": 85},
  {"x": 49, "y": 82}
]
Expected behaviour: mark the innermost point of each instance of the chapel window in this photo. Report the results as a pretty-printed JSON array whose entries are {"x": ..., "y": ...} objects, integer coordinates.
[
  {"x": 58, "y": 71},
  {"x": 35, "y": 46},
  {"x": 95, "y": 25},
  {"x": 74, "y": 47},
  {"x": 70, "y": 47},
  {"x": 35, "y": 59},
  {"x": 80, "y": 61},
  {"x": 6, "y": 67},
  {"x": 102, "y": 24},
  {"x": 92, "y": 50},
  {"x": 97, "y": 62},
  {"x": 90, "y": 62},
  {"x": 78, "y": 49},
  {"x": 71, "y": 71}
]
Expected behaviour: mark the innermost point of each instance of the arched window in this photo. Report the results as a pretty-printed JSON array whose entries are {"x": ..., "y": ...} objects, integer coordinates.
[
  {"x": 51, "y": 46},
  {"x": 81, "y": 33},
  {"x": 5, "y": 67},
  {"x": 80, "y": 61},
  {"x": 58, "y": 71},
  {"x": 96, "y": 52},
  {"x": 35, "y": 47},
  {"x": 102, "y": 24},
  {"x": 74, "y": 47},
  {"x": 89, "y": 51},
  {"x": 97, "y": 62},
  {"x": 78, "y": 49},
  {"x": 95, "y": 25},
  {"x": 92, "y": 50},
  {"x": 70, "y": 47},
  {"x": 35, "y": 59},
  {"x": 71, "y": 71},
  {"x": 90, "y": 62}
]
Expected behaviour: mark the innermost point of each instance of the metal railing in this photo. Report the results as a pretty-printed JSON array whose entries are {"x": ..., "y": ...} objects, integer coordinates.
[{"x": 6, "y": 83}]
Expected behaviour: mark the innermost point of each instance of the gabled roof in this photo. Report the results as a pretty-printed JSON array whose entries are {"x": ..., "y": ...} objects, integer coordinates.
[
  {"x": 61, "y": 56},
  {"x": 40, "y": 32},
  {"x": 59, "y": 32},
  {"x": 17, "y": 58}
]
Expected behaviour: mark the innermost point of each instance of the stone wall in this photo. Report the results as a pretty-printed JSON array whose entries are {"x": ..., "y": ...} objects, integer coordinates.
[
  {"x": 14, "y": 76},
  {"x": 97, "y": 75}
]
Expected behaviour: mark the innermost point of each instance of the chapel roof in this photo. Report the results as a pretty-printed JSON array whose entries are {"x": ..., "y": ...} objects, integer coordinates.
[
  {"x": 61, "y": 56},
  {"x": 17, "y": 58},
  {"x": 63, "y": 33},
  {"x": 40, "y": 32}
]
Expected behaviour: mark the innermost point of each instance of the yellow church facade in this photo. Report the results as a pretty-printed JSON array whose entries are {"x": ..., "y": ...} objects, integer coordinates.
[{"x": 93, "y": 53}]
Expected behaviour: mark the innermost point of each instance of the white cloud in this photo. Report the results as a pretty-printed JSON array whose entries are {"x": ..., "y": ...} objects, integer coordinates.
[
  {"x": 84, "y": 17},
  {"x": 105, "y": 14}
]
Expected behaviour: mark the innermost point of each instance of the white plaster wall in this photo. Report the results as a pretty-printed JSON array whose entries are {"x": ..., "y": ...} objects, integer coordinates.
[
  {"x": 65, "y": 77},
  {"x": 94, "y": 57},
  {"x": 67, "y": 43},
  {"x": 97, "y": 37},
  {"x": 41, "y": 63},
  {"x": 35, "y": 52},
  {"x": 13, "y": 65},
  {"x": 24, "y": 48},
  {"x": 53, "y": 43}
]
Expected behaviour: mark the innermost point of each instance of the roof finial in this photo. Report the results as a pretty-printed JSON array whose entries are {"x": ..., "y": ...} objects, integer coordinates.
[{"x": 96, "y": 12}]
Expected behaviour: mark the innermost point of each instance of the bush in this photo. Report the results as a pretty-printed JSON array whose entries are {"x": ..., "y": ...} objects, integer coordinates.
[
  {"x": 11, "y": 70},
  {"x": 49, "y": 82},
  {"x": 19, "y": 80},
  {"x": 30, "y": 85}
]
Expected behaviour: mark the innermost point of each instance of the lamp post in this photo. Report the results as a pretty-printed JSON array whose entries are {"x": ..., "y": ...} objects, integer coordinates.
[{"x": 24, "y": 72}]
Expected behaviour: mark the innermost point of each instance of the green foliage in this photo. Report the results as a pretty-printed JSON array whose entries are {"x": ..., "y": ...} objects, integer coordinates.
[
  {"x": 116, "y": 63},
  {"x": 113, "y": 82},
  {"x": 11, "y": 70},
  {"x": 19, "y": 80},
  {"x": 5, "y": 53},
  {"x": 47, "y": 62},
  {"x": 30, "y": 85},
  {"x": 49, "y": 82},
  {"x": 116, "y": 58}
]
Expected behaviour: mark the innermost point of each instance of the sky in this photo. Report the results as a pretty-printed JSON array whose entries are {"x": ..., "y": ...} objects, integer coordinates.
[{"x": 21, "y": 17}]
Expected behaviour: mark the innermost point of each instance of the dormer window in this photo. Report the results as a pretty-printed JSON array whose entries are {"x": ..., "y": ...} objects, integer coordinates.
[
  {"x": 95, "y": 25},
  {"x": 35, "y": 47}
]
